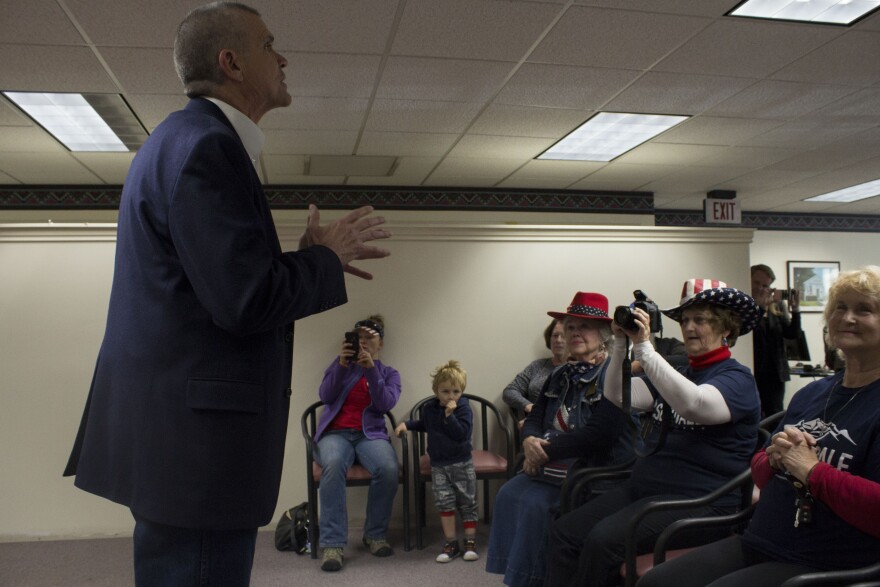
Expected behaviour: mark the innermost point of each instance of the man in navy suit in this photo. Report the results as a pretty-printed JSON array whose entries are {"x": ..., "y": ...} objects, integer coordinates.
[{"x": 187, "y": 413}]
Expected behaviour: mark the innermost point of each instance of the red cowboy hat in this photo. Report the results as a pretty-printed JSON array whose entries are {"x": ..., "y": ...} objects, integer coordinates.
[{"x": 586, "y": 305}]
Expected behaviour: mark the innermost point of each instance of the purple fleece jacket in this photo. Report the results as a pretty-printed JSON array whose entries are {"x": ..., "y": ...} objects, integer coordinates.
[{"x": 383, "y": 383}]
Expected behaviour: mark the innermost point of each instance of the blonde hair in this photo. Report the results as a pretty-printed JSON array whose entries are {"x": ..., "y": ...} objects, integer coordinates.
[
  {"x": 865, "y": 281},
  {"x": 450, "y": 371}
]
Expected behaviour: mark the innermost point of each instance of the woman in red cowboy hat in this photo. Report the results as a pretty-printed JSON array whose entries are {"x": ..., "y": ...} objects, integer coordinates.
[
  {"x": 712, "y": 426},
  {"x": 570, "y": 420}
]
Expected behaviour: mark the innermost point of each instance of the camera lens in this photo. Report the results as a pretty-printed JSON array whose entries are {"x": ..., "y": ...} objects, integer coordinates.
[{"x": 624, "y": 318}]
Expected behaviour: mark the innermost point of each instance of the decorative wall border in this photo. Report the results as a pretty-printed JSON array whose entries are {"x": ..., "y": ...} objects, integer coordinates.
[
  {"x": 812, "y": 222},
  {"x": 411, "y": 198},
  {"x": 464, "y": 199}
]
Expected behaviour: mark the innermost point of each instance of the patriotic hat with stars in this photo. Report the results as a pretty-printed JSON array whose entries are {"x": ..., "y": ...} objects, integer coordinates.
[
  {"x": 586, "y": 305},
  {"x": 712, "y": 291}
]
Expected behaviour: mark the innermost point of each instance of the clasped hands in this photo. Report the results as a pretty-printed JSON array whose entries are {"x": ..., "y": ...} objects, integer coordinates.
[
  {"x": 535, "y": 457},
  {"x": 793, "y": 450},
  {"x": 347, "y": 237}
]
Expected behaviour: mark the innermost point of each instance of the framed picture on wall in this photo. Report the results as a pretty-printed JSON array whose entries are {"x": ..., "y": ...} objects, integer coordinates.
[{"x": 812, "y": 279}]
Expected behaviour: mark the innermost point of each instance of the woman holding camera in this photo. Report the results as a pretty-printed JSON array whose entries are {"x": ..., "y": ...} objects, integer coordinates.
[
  {"x": 824, "y": 456},
  {"x": 570, "y": 420},
  {"x": 357, "y": 390},
  {"x": 712, "y": 432}
]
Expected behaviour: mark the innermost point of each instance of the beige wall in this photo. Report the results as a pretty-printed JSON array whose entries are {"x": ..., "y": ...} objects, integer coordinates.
[{"x": 452, "y": 289}]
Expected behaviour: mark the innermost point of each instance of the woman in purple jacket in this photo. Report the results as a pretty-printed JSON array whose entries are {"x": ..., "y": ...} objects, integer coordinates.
[{"x": 357, "y": 391}]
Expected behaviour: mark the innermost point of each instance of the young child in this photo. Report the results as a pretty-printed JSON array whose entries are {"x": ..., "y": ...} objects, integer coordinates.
[{"x": 448, "y": 422}]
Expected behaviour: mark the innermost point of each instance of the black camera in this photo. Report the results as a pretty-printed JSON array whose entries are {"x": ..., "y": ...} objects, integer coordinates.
[
  {"x": 624, "y": 317},
  {"x": 780, "y": 295}
]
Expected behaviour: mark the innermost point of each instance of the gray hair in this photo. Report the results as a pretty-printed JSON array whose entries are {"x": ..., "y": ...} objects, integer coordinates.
[
  {"x": 601, "y": 326},
  {"x": 200, "y": 37}
]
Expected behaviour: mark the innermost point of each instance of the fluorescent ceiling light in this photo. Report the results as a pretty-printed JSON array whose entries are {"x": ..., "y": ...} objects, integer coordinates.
[
  {"x": 843, "y": 12},
  {"x": 91, "y": 122},
  {"x": 608, "y": 135},
  {"x": 850, "y": 194}
]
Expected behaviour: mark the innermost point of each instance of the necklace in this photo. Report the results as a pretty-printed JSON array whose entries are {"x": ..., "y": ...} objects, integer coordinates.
[{"x": 849, "y": 401}]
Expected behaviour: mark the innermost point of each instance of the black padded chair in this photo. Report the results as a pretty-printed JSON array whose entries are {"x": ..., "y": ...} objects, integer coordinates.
[
  {"x": 488, "y": 464},
  {"x": 357, "y": 475},
  {"x": 706, "y": 529},
  {"x": 864, "y": 576}
]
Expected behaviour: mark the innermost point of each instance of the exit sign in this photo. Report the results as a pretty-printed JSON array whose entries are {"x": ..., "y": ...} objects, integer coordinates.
[{"x": 722, "y": 211}]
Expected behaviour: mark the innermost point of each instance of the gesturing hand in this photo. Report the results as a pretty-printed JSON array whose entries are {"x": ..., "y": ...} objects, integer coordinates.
[{"x": 347, "y": 237}]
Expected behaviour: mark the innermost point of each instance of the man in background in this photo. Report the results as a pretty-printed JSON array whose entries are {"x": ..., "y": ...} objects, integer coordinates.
[
  {"x": 770, "y": 358},
  {"x": 187, "y": 413}
]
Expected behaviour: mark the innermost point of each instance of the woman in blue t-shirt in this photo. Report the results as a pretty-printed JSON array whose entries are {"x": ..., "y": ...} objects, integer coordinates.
[
  {"x": 820, "y": 473},
  {"x": 712, "y": 431}
]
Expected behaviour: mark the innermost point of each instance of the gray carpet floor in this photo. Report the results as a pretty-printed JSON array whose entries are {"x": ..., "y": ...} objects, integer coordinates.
[{"x": 108, "y": 563}]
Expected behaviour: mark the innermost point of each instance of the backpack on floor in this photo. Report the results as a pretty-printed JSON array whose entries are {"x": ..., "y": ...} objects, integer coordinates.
[{"x": 292, "y": 531}]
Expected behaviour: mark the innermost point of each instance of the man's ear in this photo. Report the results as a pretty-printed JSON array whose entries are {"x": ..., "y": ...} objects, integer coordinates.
[{"x": 228, "y": 62}]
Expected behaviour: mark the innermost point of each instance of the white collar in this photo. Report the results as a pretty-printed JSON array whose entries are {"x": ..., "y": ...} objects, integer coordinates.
[{"x": 249, "y": 133}]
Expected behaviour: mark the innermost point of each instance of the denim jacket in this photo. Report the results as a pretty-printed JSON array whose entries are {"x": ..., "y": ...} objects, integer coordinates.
[{"x": 578, "y": 390}]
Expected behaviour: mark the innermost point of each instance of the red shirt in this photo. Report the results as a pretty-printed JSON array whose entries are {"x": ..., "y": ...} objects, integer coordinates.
[{"x": 352, "y": 413}]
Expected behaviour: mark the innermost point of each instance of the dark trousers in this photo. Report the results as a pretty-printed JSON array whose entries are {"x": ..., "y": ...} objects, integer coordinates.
[
  {"x": 168, "y": 556},
  {"x": 727, "y": 563},
  {"x": 587, "y": 545},
  {"x": 772, "y": 392}
]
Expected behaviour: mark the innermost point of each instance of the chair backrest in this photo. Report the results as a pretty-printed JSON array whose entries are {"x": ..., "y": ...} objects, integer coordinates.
[{"x": 482, "y": 423}]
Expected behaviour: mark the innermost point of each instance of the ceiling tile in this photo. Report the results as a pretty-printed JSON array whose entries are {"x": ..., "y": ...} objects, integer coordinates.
[
  {"x": 564, "y": 86},
  {"x": 409, "y": 171},
  {"x": 457, "y": 28},
  {"x": 753, "y": 49},
  {"x": 623, "y": 176},
  {"x": 492, "y": 147},
  {"x": 30, "y": 68},
  {"x": 309, "y": 142},
  {"x": 340, "y": 26},
  {"x": 707, "y": 130},
  {"x": 847, "y": 59},
  {"x": 152, "y": 109},
  {"x": 668, "y": 154},
  {"x": 620, "y": 39},
  {"x": 779, "y": 99},
  {"x": 283, "y": 165},
  {"x": 110, "y": 167},
  {"x": 523, "y": 121},
  {"x": 426, "y": 116},
  {"x": 309, "y": 113},
  {"x": 675, "y": 93},
  {"x": 144, "y": 71},
  {"x": 19, "y": 20},
  {"x": 409, "y": 144},
  {"x": 332, "y": 76},
  {"x": 41, "y": 168},
  {"x": 35, "y": 138},
  {"x": 453, "y": 80}
]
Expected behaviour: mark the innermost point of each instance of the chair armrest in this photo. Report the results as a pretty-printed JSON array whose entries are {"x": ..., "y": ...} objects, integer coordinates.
[
  {"x": 743, "y": 479},
  {"x": 849, "y": 577},
  {"x": 730, "y": 520},
  {"x": 580, "y": 477},
  {"x": 307, "y": 425}
]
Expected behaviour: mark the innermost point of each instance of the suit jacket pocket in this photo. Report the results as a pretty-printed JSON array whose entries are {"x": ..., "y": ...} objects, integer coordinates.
[{"x": 221, "y": 394}]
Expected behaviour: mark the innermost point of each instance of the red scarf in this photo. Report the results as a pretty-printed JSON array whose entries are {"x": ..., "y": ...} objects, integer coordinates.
[{"x": 706, "y": 359}]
